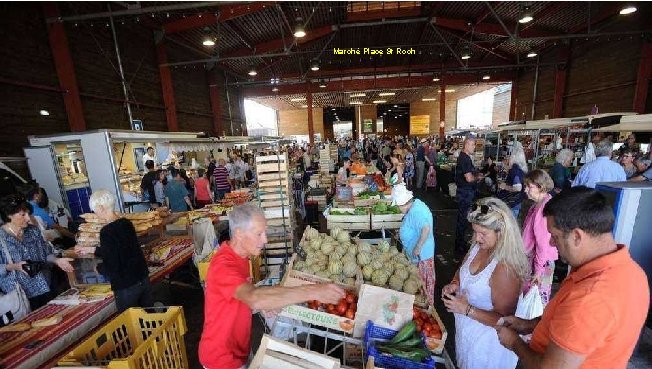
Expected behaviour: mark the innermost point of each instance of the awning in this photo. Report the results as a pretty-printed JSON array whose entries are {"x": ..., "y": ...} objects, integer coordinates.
[{"x": 632, "y": 123}]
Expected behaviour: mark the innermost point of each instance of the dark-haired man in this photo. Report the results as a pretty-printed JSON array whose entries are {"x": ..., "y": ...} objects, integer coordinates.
[
  {"x": 595, "y": 319},
  {"x": 147, "y": 183}
]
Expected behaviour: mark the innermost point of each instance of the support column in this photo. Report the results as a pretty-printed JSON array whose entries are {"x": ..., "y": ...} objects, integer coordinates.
[
  {"x": 216, "y": 108},
  {"x": 65, "y": 69},
  {"x": 512, "y": 100},
  {"x": 166, "y": 85},
  {"x": 442, "y": 112},
  {"x": 311, "y": 125},
  {"x": 643, "y": 78},
  {"x": 560, "y": 82}
]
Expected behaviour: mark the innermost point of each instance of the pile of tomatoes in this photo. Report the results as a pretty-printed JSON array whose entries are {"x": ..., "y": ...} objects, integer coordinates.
[
  {"x": 427, "y": 324},
  {"x": 346, "y": 307}
]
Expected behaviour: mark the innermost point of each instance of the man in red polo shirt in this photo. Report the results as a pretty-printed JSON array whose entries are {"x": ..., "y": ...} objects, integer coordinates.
[
  {"x": 230, "y": 297},
  {"x": 595, "y": 319}
]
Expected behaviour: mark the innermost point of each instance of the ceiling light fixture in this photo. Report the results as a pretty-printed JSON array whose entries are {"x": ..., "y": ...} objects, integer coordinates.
[
  {"x": 299, "y": 31},
  {"x": 532, "y": 54},
  {"x": 486, "y": 77},
  {"x": 428, "y": 99},
  {"x": 208, "y": 39},
  {"x": 628, "y": 9},
  {"x": 379, "y": 101},
  {"x": 322, "y": 83},
  {"x": 356, "y": 103},
  {"x": 526, "y": 15},
  {"x": 435, "y": 78},
  {"x": 466, "y": 54},
  {"x": 252, "y": 71},
  {"x": 314, "y": 66},
  {"x": 449, "y": 90},
  {"x": 387, "y": 94},
  {"x": 274, "y": 89},
  {"x": 44, "y": 112},
  {"x": 333, "y": 109},
  {"x": 304, "y": 106},
  {"x": 298, "y": 99},
  {"x": 358, "y": 95}
]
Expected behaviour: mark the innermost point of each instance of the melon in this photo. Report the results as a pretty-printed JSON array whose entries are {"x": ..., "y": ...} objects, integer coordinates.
[
  {"x": 349, "y": 281},
  {"x": 379, "y": 277},
  {"x": 396, "y": 283},
  {"x": 363, "y": 258},
  {"x": 335, "y": 266},
  {"x": 377, "y": 264},
  {"x": 402, "y": 273},
  {"x": 327, "y": 247},
  {"x": 343, "y": 237},
  {"x": 411, "y": 286},
  {"x": 367, "y": 271},
  {"x": 350, "y": 268},
  {"x": 383, "y": 246},
  {"x": 335, "y": 232},
  {"x": 364, "y": 247}
]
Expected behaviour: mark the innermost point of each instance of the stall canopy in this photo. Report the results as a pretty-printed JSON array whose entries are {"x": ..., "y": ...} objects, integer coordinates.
[
  {"x": 630, "y": 123},
  {"x": 550, "y": 123}
]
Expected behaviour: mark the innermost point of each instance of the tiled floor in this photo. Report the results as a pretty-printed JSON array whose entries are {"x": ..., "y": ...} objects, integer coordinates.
[{"x": 444, "y": 210}]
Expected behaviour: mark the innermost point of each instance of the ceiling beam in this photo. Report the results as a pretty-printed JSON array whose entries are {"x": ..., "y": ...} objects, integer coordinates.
[
  {"x": 383, "y": 14},
  {"x": 609, "y": 11},
  {"x": 148, "y": 10},
  {"x": 226, "y": 12},
  {"x": 373, "y": 84},
  {"x": 544, "y": 13},
  {"x": 489, "y": 28},
  {"x": 278, "y": 44}
]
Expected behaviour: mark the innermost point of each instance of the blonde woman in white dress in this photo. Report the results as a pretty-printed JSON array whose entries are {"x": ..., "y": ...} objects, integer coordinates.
[{"x": 487, "y": 286}]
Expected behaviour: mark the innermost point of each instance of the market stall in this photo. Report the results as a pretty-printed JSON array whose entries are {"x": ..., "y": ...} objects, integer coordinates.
[{"x": 79, "y": 311}]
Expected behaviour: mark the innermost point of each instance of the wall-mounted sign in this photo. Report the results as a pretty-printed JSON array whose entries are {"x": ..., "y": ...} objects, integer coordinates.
[
  {"x": 419, "y": 124},
  {"x": 368, "y": 126},
  {"x": 137, "y": 125}
]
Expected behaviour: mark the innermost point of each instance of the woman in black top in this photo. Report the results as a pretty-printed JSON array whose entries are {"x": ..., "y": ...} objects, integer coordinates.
[{"x": 123, "y": 261}]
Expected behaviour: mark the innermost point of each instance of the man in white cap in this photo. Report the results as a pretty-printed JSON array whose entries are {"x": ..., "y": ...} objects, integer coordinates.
[{"x": 417, "y": 235}]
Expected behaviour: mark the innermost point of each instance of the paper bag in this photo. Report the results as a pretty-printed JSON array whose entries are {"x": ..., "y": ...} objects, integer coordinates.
[
  {"x": 384, "y": 307},
  {"x": 530, "y": 305}
]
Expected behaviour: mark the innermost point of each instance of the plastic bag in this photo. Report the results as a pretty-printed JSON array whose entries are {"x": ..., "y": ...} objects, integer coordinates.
[{"x": 530, "y": 305}]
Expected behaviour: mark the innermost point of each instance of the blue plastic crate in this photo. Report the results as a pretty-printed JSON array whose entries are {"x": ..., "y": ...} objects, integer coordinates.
[{"x": 375, "y": 333}]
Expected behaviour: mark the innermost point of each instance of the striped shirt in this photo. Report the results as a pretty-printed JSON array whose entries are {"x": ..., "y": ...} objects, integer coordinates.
[{"x": 221, "y": 176}]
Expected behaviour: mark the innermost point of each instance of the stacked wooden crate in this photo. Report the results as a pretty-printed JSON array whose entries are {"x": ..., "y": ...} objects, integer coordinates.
[
  {"x": 327, "y": 158},
  {"x": 275, "y": 197}
]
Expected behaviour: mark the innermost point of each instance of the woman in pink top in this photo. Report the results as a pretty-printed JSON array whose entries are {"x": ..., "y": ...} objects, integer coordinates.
[
  {"x": 536, "y": 238},
  {"x": 203, "y": 194}
]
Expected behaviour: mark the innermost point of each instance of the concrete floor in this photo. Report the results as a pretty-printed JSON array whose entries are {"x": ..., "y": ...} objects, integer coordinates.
[{"x": 190, "y": 296}]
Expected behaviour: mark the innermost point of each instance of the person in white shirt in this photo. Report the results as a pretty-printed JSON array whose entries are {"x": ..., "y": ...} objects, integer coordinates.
[{"x": 149, "y": 155}]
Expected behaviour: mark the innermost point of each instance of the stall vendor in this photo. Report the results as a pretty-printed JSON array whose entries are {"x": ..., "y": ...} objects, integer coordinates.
[
  {"x": 417, "y": 236},
  {"x": 357, "y": 167},
  {"x": 150, "y": 155},
  {"x": 342, "y": 174},
  {"x": 230, "y": 296}
]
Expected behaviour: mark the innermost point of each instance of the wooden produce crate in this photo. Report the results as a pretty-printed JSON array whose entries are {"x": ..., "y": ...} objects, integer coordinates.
[
  {"x": 366, "y": 202},
  {"x": 386, "y": 221},
  {"x": 274, "y": 353},
  {"x": 348, "y": 222}
]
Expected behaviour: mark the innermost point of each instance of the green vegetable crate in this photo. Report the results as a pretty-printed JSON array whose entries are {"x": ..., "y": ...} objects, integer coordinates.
[{"x": 348, "y": 219}]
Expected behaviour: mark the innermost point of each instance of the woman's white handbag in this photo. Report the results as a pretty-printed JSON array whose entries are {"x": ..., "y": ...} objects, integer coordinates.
[
  {"x": 530, "y": 306},
  {"x": 13, "y": 305}
]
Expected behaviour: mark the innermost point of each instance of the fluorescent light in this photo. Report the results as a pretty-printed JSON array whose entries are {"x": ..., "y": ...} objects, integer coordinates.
[
  {"x": 387, "y": 94},
  {"x": 298, "y": 99},
  {"x": 435, "y": 79},
  {"x": 358, "y": 95},
  {"x": 466, "y": 56},
  {"x": 531, "y": 54},
  {"x": 428, "y": 99},
  {"x": 486, "y": 77},
  {"x": 379, "y": 101},
  {"x": 314, "y": 66},
  {"x": 356, "y": 103},
  {"x": 274, "y": 89},
  {"x": 44, "y": 112},
  {"x": 208, "y": 42},
  {"x": 252, "y": 71},
  {"x": 389, "y": 109},
  {"x": 396, "y": 106},
  {"x": 333, "y": 109},
  {"x": 304, "y": 106},
  {"x": 449, "y": 90},
  {"x": 628, "y": 9}
]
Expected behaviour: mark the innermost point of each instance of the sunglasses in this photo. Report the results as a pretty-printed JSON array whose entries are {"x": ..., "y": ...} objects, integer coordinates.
[{"x": 484, "y": 209}]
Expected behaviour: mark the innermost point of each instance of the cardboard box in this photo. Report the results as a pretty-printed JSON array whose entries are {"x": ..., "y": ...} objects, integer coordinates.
[{"x": 433, "y": 344}]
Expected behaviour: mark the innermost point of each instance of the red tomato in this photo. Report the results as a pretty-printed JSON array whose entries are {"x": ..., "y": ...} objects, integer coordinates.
[
  {"x": 330, "y": 308},
  {"x": 437, "y": 335},
  {"x": 349, "y": 314},
  {"x": 353, "y": 307},
  {"x": 419, "y": 325},
  {"x": 342, "y": 307},
  {"x": 419, "y": 328},
  {"x": 350, "y": 298}
]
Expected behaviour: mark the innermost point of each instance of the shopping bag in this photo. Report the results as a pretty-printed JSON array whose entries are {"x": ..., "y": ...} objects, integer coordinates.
[
  {"x": 14, "y": 305},
  {"x": 386, "y": 308},
  {"x": 530, "y": 305},
  {"x": 204, "y": 239}
]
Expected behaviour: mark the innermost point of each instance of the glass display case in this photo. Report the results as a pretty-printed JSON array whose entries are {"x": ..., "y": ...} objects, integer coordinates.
[{"x": 71, "y": 168}]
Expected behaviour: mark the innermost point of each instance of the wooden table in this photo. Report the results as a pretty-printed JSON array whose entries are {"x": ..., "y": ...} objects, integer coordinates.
[{"x": 42, "y": 347}]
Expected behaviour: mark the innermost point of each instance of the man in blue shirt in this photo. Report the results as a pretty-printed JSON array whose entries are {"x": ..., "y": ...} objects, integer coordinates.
[
  {"x": 177, "y": 194},
  {"x": 602, "y": 169},
  {"x": 421, "y": 162},
  {"x": 66, "y": 237}
]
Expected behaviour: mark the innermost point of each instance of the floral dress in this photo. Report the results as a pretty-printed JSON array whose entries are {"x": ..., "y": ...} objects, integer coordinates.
[{"x": 409, "y": 165}]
